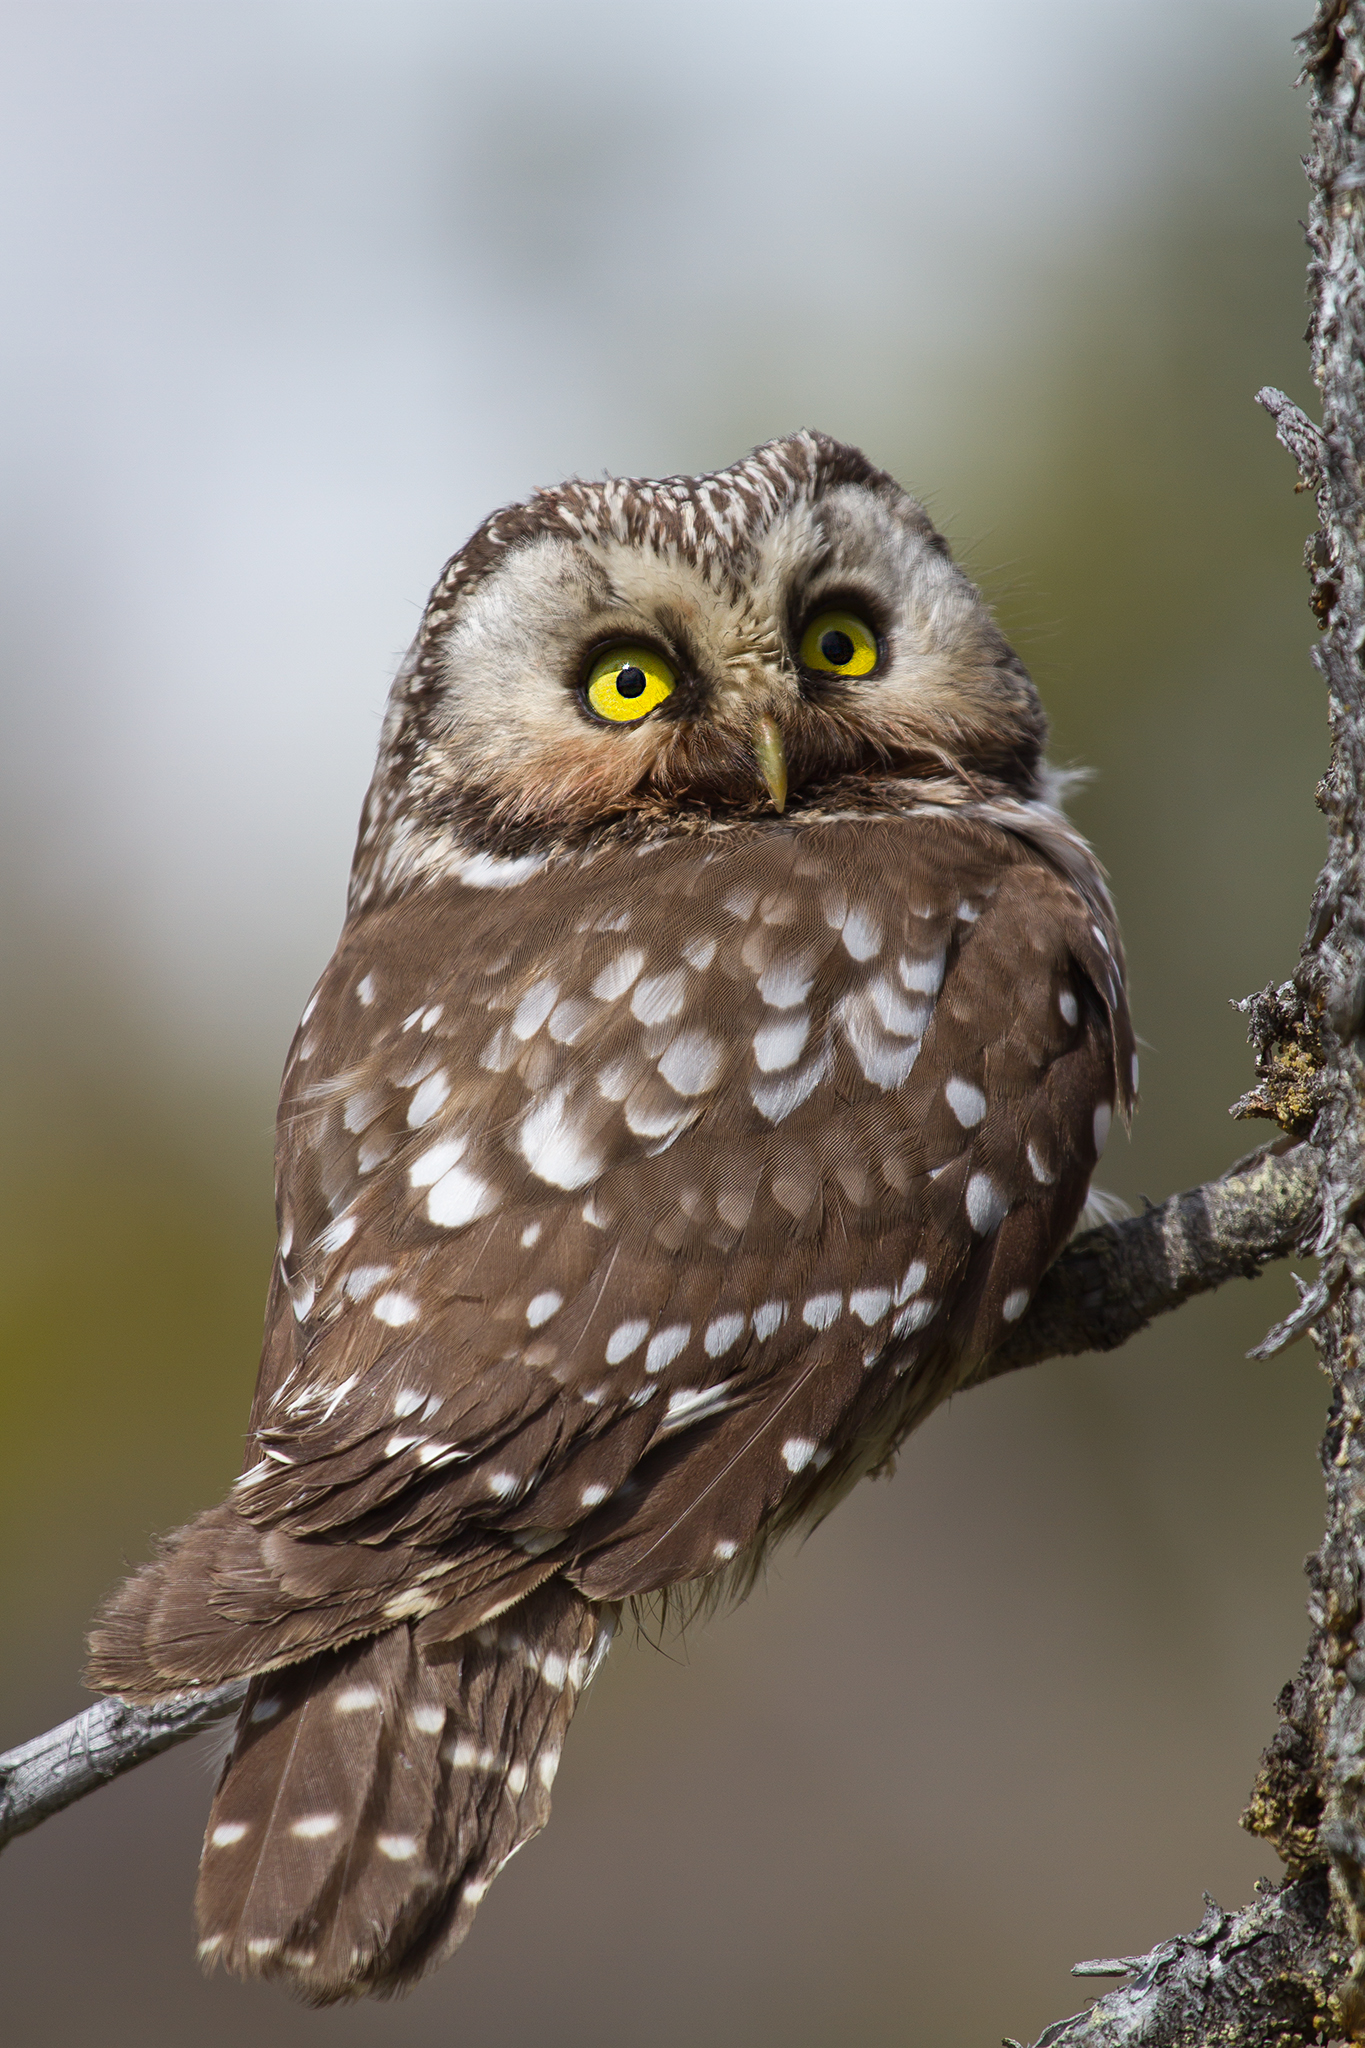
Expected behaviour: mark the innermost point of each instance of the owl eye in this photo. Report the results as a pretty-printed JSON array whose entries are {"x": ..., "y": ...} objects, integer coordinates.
[
  {"x": 626, "y": 682},
  {"x": 839, "y": 644}
]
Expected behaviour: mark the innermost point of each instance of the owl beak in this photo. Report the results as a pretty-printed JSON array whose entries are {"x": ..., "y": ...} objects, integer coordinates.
[{"x": 771, "y": 757}]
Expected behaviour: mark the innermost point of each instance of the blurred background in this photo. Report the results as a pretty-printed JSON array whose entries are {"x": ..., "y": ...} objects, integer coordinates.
[{"x": 297, "y": 292}]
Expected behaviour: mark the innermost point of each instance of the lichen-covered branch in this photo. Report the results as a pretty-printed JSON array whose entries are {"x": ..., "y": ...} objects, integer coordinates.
[
  {"x": 54, "y": 1770},
  {"x": 1105, "y": 1286},
  {"x": 1110, "y": 1283},
  {"x": 1249, "y": 1977}
]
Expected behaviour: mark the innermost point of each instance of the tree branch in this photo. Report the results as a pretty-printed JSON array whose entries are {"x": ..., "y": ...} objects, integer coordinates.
[
  {"x": 1106, "y": 1285},
  {"x": 54, "y": 1770},
  {"x": 1110, "y": 1283},
  {"x": 1252, "y": 1976}
]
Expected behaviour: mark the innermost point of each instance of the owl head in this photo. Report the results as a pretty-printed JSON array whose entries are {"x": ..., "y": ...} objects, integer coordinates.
[{"x": 789, "y": 633}]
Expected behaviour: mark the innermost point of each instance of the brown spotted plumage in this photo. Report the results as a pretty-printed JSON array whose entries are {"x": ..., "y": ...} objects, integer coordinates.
[{"x": 651, "y": 1159}]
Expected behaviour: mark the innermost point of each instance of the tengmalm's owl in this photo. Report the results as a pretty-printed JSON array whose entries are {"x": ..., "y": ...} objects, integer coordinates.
[{"x": 722, "y": 1035}]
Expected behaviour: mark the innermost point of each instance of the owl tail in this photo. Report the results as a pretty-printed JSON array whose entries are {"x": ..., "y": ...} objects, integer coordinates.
[{"x": 373, "y": 1793}]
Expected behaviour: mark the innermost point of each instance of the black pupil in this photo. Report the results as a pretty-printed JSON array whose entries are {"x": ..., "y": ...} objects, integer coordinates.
[
  {"x": 630, "y": 681},
  {"x": 837, "y": 648}
]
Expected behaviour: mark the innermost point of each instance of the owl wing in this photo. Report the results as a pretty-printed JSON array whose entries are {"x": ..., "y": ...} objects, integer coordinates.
[{"x": 635, "y": 1204}]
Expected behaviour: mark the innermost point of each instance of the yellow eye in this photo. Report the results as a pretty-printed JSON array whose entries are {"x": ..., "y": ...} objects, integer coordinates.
[
  {"x": 839, "y": 644},
  {"x": 627, "y": 682}
]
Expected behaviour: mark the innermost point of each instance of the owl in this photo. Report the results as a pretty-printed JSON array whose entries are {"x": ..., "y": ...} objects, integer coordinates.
[{"x": 722, "y": 1035}]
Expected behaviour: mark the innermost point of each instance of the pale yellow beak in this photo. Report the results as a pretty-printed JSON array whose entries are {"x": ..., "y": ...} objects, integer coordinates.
[{"x": 771, "y": 757}]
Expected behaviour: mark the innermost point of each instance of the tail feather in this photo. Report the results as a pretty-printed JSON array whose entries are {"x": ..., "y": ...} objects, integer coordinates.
[
  {"x": 374, "y": 1792},
  {"x": 225, "y": 1598}
]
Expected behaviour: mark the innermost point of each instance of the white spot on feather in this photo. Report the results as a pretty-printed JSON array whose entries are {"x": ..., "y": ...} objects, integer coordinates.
[
  {"x": 427, "y": 1098},
  {"x": 534, "y": 1007},
  {"x": 313, "y": 1826},
  {"x": 923, "y": 977},
  {"x": 822, "y": 1310},
  {"x": 966, "y": 1101},
  {"x": 365, "y": 990},
  {"x": 593, "y": 1496},
  {"x": 906, "y": 1020},
  {"x": 870, "y": 1304},
  {"x": 777, "y": 1099},
  {"x": 1068, "y": 1006},
  {"x": 1104, "y": 1116},
  {"x": 395, "y": 1309},
  {"x": 487, "y": 871},
  {"x": 721, "y": 1333},
  {"x": 987, "y": 1206},
  {"x": 1037, "y": 1168},
  {"x": 226, "y": 1833},
  {"x": 1014, "y": 1304},
  {"x": 618, "y": 975},
  {"x": 429, "y": 1720},
  {"x": 692, "y": 1062},
  {"x": 797, "y": 1453},
  {"x": 541, "y": 1307},
  {"x": 625, "y": 1338},
  {"x": 552, "y": 1148},
  {"x": 665, "y": 1345},
  {"x": 786, "y": 982},
  {"x": 457, "y": 1199},
  {"x": 339, "y": 1233},
  {"x": 769, "y": 1318},
  {"x": 659, "y": 997},
  {"x": 699, "y": 953},
  {"x": 913, "y": 1317},
  {"x": 398, "y": 1848},
  {"x": 779, "y": 1043},
  {"x": 862, "y": 934}
]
